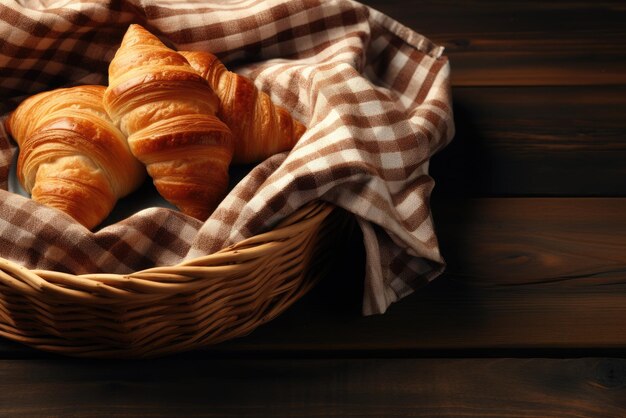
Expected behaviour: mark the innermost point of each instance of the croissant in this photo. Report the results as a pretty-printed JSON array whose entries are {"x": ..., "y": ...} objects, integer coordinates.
[
  {"x": 260, "y": 127},
  {"x": 71, "y": 155},
  {"x": 167, "y": 111}
]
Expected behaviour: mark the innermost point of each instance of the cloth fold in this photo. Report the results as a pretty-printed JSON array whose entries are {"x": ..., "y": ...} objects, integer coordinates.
[{"x": 374, "y": 94}]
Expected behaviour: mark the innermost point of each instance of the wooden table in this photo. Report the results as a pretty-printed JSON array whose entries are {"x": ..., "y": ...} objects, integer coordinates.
[{"x": 530, "y": 207}]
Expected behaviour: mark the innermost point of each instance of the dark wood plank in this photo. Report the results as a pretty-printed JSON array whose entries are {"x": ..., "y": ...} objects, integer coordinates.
[
  {"x": 522, "y": 43},
  {"x": 451, "y": 319},
  {"x": 524, "y": 274},
  {"x": 519, "y": 241},
  {"x": 589, "y": 387},
  {"x": 541, "y": 141}
]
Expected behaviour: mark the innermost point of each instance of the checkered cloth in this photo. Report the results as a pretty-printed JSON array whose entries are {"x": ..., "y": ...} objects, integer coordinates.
[{"x": 373, "y": 93}]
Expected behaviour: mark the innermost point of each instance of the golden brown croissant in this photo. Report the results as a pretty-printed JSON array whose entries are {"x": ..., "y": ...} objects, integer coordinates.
[
  {"x": 260, "y": 127},
  {"x": 71, "y": 155},
  {"x": 168, "y": 112}
]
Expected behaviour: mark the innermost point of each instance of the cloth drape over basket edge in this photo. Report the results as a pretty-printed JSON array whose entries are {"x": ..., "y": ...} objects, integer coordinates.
[{"x": 374, "y": 95}]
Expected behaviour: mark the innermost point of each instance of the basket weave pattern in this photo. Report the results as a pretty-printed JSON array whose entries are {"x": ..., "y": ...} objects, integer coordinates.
[{"x": 170, "y": 309}]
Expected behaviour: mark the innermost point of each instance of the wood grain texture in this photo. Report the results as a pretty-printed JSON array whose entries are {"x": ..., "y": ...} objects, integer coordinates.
[
  {"x": 504, "y": 43},
  {"x": 564, "y": 242},
  {"x": 539, "y": 141},
  {"x": 592, "y": 387}
]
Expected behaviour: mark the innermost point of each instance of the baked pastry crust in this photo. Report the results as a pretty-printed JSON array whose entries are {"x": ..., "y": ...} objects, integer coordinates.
[
  {"x": 167, "y": 111},
  {"x": 72, "y": 157},
  {"x": 261, "y": 128}
]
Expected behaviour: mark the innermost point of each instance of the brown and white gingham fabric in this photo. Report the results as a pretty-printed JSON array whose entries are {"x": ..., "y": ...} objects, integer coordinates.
[{"x": 373, "y": 93}]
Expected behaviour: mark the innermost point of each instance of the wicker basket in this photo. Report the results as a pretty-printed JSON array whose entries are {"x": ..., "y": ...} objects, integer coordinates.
[{"x": 165, "y": 310}]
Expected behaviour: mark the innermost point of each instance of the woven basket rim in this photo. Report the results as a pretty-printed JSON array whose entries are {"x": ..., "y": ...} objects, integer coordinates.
[{"x": 299, "y": 220}]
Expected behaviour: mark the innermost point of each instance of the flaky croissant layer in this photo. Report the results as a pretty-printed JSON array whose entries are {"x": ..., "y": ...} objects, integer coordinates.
[
  {"x": 168, "y": 112},
  {"x": 72, "y": 157},
  {"x": 260, "y": 127}
]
